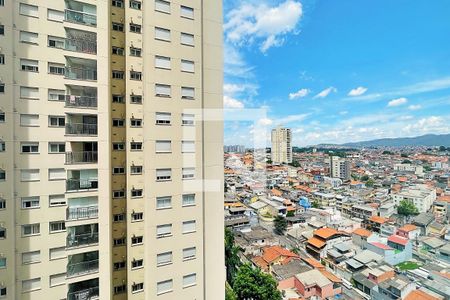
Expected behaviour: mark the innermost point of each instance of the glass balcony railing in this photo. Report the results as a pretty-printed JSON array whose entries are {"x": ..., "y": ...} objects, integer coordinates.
[
  {"x": 80, "y": 45},
  {"x": 82, "y": 239},
  {"x": 81, "y": 101},
  {"x": 74, "y": 184},
  {"x": 82, "y": 268},
  {"x": 82, "y": 157},
  {"x": 77, "y": 213},
  {"x": 81, "y": 128},
  {"x": 80, "y": 73},
  {"x": 80, "y": 17},
  {"x": 86, "y": 294}
]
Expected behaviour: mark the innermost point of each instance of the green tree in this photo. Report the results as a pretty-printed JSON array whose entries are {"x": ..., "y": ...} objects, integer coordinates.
[
  {"x": 404, "y": 155},
  {"x": 315, "y": 204},
  {"x": 406, "y": 161},
  {"x": 407, "y": 208},
  {"x": 386, "y": 152},
  {"x": 280, "y": 224},
  {"x": 442, "y": 148},
  {"x": 365, "y": 178},
  {"x": 370, "y": 182},
  {"x": 229, "y": 293},
  {"x": 290, "y": 213},
  {"x": 252, "y": 284},
  {"x": 295, "y": 164},
  {"x": 232, "y": 261}
]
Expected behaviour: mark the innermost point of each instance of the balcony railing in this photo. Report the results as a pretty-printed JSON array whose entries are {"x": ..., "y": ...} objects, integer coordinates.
[
  {"x": 82, "y": 157},
  {"x": 80, "y": 45},
  {"x": 80, "y": 73},
  {"x": 80, "y": 17},
  {"x": 82, "y": 268},
  {"x": 81, "y": 184},
  {"x": 81, "y": 101},
  {"x": 87, "y": 294},
  {"x": 82, "y": 239},
  {"x": 77, "y": 213},
  {"x": 81, "y": 128}
]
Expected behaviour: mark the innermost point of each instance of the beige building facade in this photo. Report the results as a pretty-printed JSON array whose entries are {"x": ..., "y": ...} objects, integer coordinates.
[
  {"x": 111, "y": 149},
  {"x": 281, "y": 145}
]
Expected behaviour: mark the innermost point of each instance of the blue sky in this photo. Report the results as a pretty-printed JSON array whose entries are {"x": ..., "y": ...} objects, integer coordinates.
[{"x": 337, "y": 71}]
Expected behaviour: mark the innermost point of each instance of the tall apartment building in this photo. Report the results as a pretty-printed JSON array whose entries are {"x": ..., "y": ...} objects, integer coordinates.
[
  {"x": 110, "y": 174},
  {"x": 340, "y": 168},
  {"x": 421, "y": 195},
  {"x": 281, "y": 146}
]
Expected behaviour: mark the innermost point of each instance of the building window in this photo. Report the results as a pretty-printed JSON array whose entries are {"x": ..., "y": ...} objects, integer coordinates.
[
  {"x": 117, "y": 3},
  {"x": 119, "y": 242},
  {"x": 187, "y": 93},
  {"x": 2, "y": 262},
  {"x": 57, "y": 200},
  {"x": 2, "y": 175},
  {"x": 137, "y": 263},
  {"x": 30, "y": 147},
  {"x": 31, "y": 257},
  {"x": 164, "y": 258},
  {"x": 189, "y": 280},
  {"x": 163, "y": 146},
  {"x": 189, "y": 253},
  {"x": 55, "y": 15},
  {"x": 54, "y": 147},
  {"x": 119, "y": 218},
  {"x": 28, "y": 10},
  {"x": 136, "y": 146},
  {"x": 162, "y": 34},
  {"x": 57, "y": 279},
  {"x": 187, "y": 39},
  {"x": 117, "y": 74},
  {"x": 163, "y": 230},
  {"x": 187, "y": 66},
  {"x": 118, "y": 51},
  {"x": 189, "y": 200},
  {"x": 187, "y": 146},
  {"x": 162, "y": 6},
  {"x": 31, "y": 285},
  {"x": 136, "y": 170},
  {"x": 163, "y": 202},
  {"x": 134, "y": 75},
  {"x": 135, "y": 51},
  {"x": 137, "y": 287},
  {"x": 163, "y": 118},
  {"x": 119, "y": 194},
  {"x": 30, "y": 202},
  {"x": 137, "y": 216},
  {"x": 56, "y": 121},
  {"x": 135, "y": 4},
  {"x": 56, "y": 174},
  {"x": 56, "y": 95},
  {"x": 188, "y": 227},
  {"x": 136, "y": 193},
  {"x": 29, "y": 120},
  {"x": 187, "y": 12},
  {"x": 163, "y": 174},
  {"x": 120, "y": 265},
  {"x": 118, "y": 146},
  {"x": 118, "y": 122},
  {"x": 56, "y": 42},
  {"x": 31, "y": 229},
  {"x": 137, "y": 240},
  {"x": 188, "y": 173},
  {"x": 2, "y": 233},
  {"x": 29, "y": 65},
  {"x": 120, "y": 289},
  {"x": 56, "y": 69},
  {"x": 163, "y": 287},
  {"x": 136, "y": 122},
  {"x": 162, "y": 90},
  {"x": 29, "y": 175},
  {"x": 136, "y": 99},
  {"x": 117, "y": 98},
  {"x": 2, "y": 29},
  {"x": 57, "y": 226},
  {"x": 2, "y": 59},
  {"x": 2, "y": 2},
  {"x": 2, "y": 146},
  {"x": 27, "y": 92},
  {"x": 57, "y": 253},
  {"x": 2, "y": 90},
  {"x": 117, "y": 27},
  {"x": 3, "y": 292},
  {"x": 162, "y": 62},
  {"x": 187, "y": 119},
  {"x": 136, "y": 28},
  {"x": 118, "y": 170},
  {"x": 2, "y": 204}
]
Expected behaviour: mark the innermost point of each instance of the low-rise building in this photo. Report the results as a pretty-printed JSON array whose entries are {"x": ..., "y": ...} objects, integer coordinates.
[{"x": 422, "y": 196}]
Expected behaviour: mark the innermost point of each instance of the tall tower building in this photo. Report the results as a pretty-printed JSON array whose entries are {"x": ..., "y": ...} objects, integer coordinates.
[
  {"x": 340, "y": 168},
  {"x": 281, "y": 146},
  {"x": 110, "y": 176}
]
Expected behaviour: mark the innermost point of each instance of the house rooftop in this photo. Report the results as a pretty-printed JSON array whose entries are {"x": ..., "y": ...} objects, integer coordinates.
[
  {"x": 398, "y": 240},
  {"x": 362, "y": 232},
  {"x": 381, "y": 246},
  {"x": 408, "y": 227},
  {"x": 313, "y": 277},
  {"x": 325, "y": 232}
]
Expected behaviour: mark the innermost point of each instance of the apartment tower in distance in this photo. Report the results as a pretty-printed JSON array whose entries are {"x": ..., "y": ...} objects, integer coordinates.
[
  {"x": 281, "y": 146},
  {"x": 340, "y": 168},
  {"x": 110, "y": 176}
]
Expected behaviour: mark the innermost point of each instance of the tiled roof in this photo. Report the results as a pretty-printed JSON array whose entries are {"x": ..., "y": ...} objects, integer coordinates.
[
  {"x": 420, "y": 295},
  {"x": 325, "y": 232},
  {"x": 378, "y": 219},
  {"x": 318, "y": 243},
  {"x": 398, "y": 240},
  {"x": 274, "y": 252},
  {"x": 408, "y": 227},
  {"x": 362, "y": 232},
  {"x": 381, "y": 246}
]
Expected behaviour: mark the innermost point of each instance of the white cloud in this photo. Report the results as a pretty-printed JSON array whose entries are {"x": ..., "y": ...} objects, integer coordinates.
[
  {"x": 265, "y": 122},
  {"x": 299, "y": 94},
  {"x": 415, "y": 107},
  {"x": 239, "y": 88},
  {"x": 292, "y": 118},
  {"x": 229, "y": 102},
  {"x": 397, "y": 102},
  {"x": 326, "y": 92},
  {"x": 357, "y": 92},
  {"x": 268, "y": 26}
]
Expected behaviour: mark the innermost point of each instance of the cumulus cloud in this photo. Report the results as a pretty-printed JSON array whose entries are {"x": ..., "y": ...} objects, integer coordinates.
[
  {"x": 265, "y": 122},
  {"x": 357, "y": 91},
  {"x": 397, "y": 102},
  {"x": 229, "y": 102},
  {"x": 299, "y": 94},
  {"x": 415, "y": 107},
  {"x": 262, "y": 24},
  {"x": 326, "y": 92}
]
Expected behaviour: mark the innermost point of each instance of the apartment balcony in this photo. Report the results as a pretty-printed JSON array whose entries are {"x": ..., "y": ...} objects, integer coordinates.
[
  {"x": 80, "y": 41},
  {"x": 84, "y": 290},
  {"x": 82, "y": 180},
  {"x": 82, "y": 264},
  {"x": 81, "y": 157},
  {"x": 81, "y": 129},
  {"x": 82, "y": 213},
  {"x": 83, "y": 235},
  {"x": 78, "y": 101},
  {"x": 80, "y": 13},
  {"x": 80, "y": 69}
]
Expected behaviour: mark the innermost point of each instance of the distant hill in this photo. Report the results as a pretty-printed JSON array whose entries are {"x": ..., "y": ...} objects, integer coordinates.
[{"x": 428, "y": 140}]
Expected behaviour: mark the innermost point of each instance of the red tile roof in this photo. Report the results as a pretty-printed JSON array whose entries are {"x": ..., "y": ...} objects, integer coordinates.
[
  {"x": 420, "y": 295},
  {"x": 398, "y": 240},
  {"x": 273, "y": 253},
  {"x": 318, "y": 243},
  {"x": 378, "y": 219},
  {"x": 408, "y": 227},
  {"x": 381, "y": 246},
  {"x": 362, "y": 232},
  {"x": 325, "y": 232}
]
